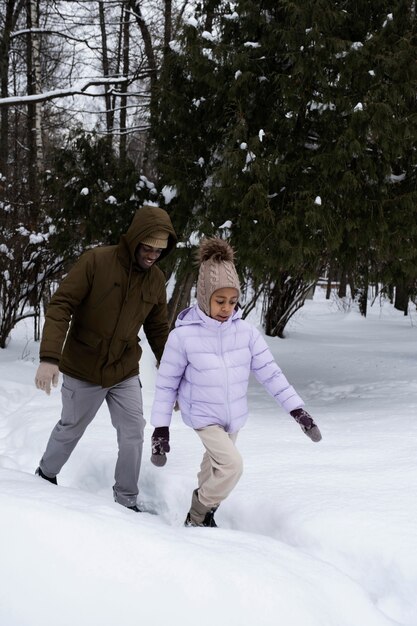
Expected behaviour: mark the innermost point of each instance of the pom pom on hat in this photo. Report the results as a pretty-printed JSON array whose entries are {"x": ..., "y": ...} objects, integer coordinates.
[
  {"x": 217, "y": 270},
  {"x": 157, "y": 239}
]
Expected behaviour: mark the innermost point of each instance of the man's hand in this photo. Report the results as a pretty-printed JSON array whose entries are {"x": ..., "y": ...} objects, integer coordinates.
[{"x": 47, "y": 373}]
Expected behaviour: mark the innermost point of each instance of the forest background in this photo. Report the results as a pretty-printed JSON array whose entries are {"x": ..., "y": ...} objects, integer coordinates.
[{"x": 289, "y": 128}]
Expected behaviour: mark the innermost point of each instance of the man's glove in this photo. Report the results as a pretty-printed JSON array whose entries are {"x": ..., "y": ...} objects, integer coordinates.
[
  {"x": 307, "y": 424},
  {"x": 47, "y": 373},
  {"x": 160, "y": 445}
]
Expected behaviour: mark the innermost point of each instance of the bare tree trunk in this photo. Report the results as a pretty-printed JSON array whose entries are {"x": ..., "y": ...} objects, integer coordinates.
[
  {"x": 4, "y": 86},
  {"x": 342, "y": 285},
  {"x": 286, "y": 295},
  {"x": 249, "y": 306},
  {"x": 13, "y": 11},
  {"x": 34, "y": 121},
  {"x": 363, "y": 293},
  {"x": 401, "y": 296},
  {"x": 181, "y": 296},
  {"x": 106, "y": 71},
  {"x": 124, "y": 86},
  {"x": 329, "y": 285},
  {"x": 118, "y": 57},
  {"x": 167, "y": 24},
  {"x": 210, "y": 8},
  {"x": 352, "y": 285},
  {"x": 37, "y": 75},
  {"x": 147, "y": 40}
]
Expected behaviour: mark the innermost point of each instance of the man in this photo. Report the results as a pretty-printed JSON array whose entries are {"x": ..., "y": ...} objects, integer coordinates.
[{"x": 91, "y": 336}]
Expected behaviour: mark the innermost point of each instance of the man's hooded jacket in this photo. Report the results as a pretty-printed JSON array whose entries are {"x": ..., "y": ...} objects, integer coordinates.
[{"x": 104, "y": 300}]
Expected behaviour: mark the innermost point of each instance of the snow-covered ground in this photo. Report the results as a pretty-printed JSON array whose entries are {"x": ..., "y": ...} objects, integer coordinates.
[{"x": 313, "y": 535}]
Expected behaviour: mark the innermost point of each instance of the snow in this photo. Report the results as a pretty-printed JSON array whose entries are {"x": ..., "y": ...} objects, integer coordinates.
[
  {"x": 169, "y": 192},
  {"x": 175, "y": 46},
  {"x": 227, "y": 224},
  {"x": 191, "y": 21},
  {"x": 313, "y": 535},
  {"x": 389, "y": 19},
  {"x": 79, "y": 87},
  {"x": 232, "y": 16},
  {"x": 207, "y": 35},
  {"x": 37, "y": 238},
  {"x": 5, "y": 250}
]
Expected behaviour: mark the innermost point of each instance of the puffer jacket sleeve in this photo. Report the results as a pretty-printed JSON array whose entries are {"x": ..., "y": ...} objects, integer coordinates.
[
  {"x": 267, "y": 372},
  {"x": 170, "y": 373}
]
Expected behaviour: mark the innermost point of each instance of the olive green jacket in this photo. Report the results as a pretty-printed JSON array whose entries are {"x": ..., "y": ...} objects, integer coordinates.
[{"x": 92, "y": 323}]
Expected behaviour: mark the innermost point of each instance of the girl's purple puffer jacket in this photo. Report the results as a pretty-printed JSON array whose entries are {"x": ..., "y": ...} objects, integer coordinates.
[{"x": 206, "y": 366}]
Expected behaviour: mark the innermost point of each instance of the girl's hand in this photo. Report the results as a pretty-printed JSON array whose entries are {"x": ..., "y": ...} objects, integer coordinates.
[
  {"x": 308, "y": 426},
  {"x": 160, "y": 445}
]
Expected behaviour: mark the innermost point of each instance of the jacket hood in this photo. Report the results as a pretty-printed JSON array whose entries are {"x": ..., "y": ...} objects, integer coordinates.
[
  {"x": 194, "y": 315},
  {"x": 147, "y": 220}
]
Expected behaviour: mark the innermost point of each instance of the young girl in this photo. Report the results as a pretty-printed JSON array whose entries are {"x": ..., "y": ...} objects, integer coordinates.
[{"x": 206, "y": 366}]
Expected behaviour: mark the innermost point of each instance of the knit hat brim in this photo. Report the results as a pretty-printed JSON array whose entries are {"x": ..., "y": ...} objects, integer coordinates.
[{"x": 157, "y": 239}]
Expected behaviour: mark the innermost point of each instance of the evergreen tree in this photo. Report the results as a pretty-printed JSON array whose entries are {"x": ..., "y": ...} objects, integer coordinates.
[
  {"x": 306, "y": 128},
  {"x": 92, "y": 194},
  {"x": 370, "y": 149},
  {"x": 275, "y": 68},
  {"x": 186, "y": 123},
  {"x": 26, "y": 260}
]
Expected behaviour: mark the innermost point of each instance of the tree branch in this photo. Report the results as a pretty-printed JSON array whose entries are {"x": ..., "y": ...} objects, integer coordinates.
[{"x": 79, "y": 89}]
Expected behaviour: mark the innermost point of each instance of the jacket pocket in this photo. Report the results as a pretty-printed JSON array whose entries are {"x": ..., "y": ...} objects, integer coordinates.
[
  {"x": 86, "y": 336},
  {"x": 148, "y": 303},
  {"x": 130, "y": 357},
  {"x": 110, "y": 291},
  {"x": 150, "y": 298},
  {"x": 81, "y": 353}
]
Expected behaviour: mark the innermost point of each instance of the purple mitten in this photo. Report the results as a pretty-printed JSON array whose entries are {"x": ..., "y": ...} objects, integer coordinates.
[
  {"x": 307, "y": 424},
  {"x": 160, "y": 445}
]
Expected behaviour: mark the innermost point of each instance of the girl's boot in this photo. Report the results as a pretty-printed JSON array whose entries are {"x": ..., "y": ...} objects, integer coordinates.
[{"x": 200, "y": 515}]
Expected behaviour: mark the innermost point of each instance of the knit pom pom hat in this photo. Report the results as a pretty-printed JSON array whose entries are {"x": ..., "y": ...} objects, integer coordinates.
[{"x": 216, "y": 271}]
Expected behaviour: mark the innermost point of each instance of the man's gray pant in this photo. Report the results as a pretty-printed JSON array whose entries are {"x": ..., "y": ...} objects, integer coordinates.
[{"x": 80, "y": 403}]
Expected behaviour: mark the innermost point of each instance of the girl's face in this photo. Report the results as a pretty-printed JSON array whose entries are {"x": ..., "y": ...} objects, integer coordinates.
[{"x": 222, "y": 303}]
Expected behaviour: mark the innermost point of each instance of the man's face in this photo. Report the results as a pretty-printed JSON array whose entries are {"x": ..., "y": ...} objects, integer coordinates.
[{"x": 146, "y": 256}]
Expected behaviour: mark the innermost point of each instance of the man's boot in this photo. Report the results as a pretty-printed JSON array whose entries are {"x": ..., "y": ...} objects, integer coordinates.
[{"x": 40, "y": 473}]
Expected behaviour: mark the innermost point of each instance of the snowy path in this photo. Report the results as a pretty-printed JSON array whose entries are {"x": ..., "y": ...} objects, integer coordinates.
[{"x": 313, "y": 535}]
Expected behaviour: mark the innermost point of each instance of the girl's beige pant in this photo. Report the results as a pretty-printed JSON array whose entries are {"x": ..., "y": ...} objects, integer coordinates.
[{"x": 221, "y": 466}]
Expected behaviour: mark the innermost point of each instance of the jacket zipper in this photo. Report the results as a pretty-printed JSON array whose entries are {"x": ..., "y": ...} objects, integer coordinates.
[{"x": 226, "y": 378}]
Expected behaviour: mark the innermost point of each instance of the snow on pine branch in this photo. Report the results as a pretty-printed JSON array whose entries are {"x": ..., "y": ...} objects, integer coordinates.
[{"x": 80, "y": 88}]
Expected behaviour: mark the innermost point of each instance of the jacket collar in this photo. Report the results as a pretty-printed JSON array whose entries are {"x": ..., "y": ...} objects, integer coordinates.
[{"x": 194, "y": 315}]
